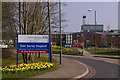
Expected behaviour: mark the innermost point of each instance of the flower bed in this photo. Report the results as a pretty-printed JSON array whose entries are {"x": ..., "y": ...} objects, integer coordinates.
[
  {"x": 67, "y": 51},
  {"x": 56, "y": 49},
  {"x": 26, "y": 67}
]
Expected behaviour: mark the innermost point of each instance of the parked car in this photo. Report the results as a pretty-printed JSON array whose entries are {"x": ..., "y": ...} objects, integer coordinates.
[
  {"x": 104, "y": 46},
  {"x": 3, "y": 45},
  {"x": 72, "y": 45},
  {"x": 91, "y": 45}
]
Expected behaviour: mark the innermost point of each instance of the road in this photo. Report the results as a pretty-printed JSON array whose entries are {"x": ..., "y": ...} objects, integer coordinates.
[{"x": 102, "y": 69}]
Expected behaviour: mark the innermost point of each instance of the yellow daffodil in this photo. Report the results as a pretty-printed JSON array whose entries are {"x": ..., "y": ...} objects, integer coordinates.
[{"x": 23, "y": 67}]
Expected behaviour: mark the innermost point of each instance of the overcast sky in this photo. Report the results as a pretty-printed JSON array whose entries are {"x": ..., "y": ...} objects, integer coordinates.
[{"x": 107, "y": 14}]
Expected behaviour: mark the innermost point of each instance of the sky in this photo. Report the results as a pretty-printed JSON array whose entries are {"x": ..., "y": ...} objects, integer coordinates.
[{"x": 107, "y": 14}]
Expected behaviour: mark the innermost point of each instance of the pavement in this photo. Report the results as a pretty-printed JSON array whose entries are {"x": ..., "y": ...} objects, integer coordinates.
[
  {"x": 68, "y": 69},
  {"x": 107, "y": 58}
]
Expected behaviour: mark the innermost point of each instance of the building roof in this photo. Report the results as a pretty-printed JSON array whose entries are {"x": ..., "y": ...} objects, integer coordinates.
[
  {"x": 62, "y": 33},
  {"x": 92, "y": 25},
  {"x": 86, "y": 33}
]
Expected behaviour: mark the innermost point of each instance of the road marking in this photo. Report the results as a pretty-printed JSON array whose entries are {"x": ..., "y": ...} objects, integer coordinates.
[
  {"x": 93, "y": 72},
  {"x": 89, "y": 69}
]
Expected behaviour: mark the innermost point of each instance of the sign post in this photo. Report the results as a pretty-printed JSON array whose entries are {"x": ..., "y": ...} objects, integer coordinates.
[
  {"x": 49, "y": 49},
  {"x": 17, "y": 49}
]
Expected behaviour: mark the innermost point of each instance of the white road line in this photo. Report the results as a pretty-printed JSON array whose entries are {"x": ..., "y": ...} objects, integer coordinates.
[{"x": 87, "y": 71}]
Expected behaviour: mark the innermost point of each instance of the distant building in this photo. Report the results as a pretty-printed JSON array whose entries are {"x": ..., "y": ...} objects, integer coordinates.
[
  {"x": 75, "y": 38},
  {"x": 115, "y": 31},
  {"x": 91, "y": 28},
  {"x": 112, "y": 39},
  {"x": 88, "y": 35},
  {"x": 66, "y": 38}
]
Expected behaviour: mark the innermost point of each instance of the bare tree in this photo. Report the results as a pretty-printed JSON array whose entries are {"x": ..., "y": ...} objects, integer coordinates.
[
  {"x": 8, "y": 21},
  {"x": 28, "y": 18}
]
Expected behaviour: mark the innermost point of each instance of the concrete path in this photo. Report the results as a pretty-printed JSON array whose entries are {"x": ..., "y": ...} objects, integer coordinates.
[
  {"x": 106, "y": 58},
  {"x": 68, "y": 69}
]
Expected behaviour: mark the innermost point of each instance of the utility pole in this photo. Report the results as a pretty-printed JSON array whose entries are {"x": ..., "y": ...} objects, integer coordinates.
[
  {"x": 60, "y": 32},
  {"x": 20, "y": 18},
  {"x": 95, "y": 34},
  {"x": 50, "y": 31}
]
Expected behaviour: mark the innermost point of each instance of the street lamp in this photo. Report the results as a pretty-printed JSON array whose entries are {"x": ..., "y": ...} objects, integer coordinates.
[{"x": 94, "y": 31}]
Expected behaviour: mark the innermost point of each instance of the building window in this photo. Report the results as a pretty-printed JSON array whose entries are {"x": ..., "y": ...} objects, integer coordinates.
[
  {"x": 113, "y": 36},
  {"x": 62, "y": 36},
  {"x": 52, "y": 36},
  {"x": 57, "y": 36}
]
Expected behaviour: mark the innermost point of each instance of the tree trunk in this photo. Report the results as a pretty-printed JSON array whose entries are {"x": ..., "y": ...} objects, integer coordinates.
[{"x": 21, "y": 27}]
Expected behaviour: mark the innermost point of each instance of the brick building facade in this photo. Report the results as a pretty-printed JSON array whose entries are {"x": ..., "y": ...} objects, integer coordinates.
[{"x": 78, "y": 37}]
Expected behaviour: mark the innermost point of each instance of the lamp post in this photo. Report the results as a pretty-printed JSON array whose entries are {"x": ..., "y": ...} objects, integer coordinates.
[
  {"x": 77, "y": 40},
  {"x": 94, "y": 31},
  {"x": 82, "y": 42}
]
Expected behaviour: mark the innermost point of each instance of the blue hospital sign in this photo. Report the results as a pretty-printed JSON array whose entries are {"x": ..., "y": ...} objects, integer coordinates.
[{"x": 33, "y": 43}]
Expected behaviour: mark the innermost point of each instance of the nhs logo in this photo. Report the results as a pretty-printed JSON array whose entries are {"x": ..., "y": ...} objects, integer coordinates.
[{"x": 45, "y": 37}]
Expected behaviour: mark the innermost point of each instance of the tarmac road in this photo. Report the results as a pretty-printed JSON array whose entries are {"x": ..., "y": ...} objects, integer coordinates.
[{"x": 102, "y": 69}]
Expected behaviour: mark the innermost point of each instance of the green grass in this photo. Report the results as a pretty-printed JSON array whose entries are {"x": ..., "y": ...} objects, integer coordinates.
[
  {"x": 27, "y": 74},
  {"x": 0, "y": 62},
  {"x": 9, "y": 58},
  {"x": 12, "y": 48},
  {"x": 105, "y": 51},
  {"x": 71, "y": 52},
  {"x": 31, "y": 73},
  {"x": 7, "y": 62}
]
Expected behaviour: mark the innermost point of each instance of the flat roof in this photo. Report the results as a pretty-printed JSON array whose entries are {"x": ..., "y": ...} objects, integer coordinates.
[
  {"x": 62, "y": 32},
  {"x": 92, "y": 25}
]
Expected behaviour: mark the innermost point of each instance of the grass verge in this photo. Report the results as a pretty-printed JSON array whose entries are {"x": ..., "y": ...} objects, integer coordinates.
[
  {"x": 105, "y": 51},
  {"x": 7, "y": 62},
  {"x": 27, "y": 74}
]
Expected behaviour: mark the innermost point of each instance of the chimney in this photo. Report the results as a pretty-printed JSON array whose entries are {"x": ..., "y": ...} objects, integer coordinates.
[{"x": 84, "y": 20}]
